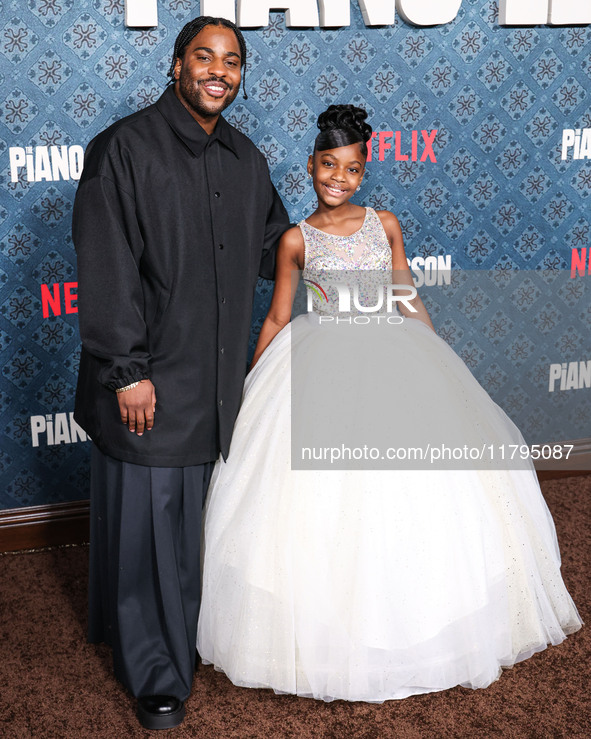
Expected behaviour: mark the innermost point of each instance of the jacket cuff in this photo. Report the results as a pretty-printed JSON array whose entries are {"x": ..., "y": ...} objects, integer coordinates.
[{"x": 127, "y": 378}]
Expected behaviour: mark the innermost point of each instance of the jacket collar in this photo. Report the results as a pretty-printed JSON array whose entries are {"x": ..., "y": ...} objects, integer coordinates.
[{"x": 187, "y": 128}]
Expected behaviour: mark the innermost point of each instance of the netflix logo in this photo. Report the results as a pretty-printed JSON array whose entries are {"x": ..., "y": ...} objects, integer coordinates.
[
  {"x": 408, "y": 146},
  {"x": 580, "y": 263},
  {"x": 59, "y": 298}
]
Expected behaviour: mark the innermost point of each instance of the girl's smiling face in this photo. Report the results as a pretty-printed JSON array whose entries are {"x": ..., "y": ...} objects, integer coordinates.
[{"x": 336, "y": 173}]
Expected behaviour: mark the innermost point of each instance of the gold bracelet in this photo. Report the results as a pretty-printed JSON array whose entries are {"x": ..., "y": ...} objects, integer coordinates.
[{"x": 127, "y": 387}]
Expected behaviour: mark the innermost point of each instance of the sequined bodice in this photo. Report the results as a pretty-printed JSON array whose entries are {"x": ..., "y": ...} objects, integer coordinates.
[{"x": 363, "y": 259}]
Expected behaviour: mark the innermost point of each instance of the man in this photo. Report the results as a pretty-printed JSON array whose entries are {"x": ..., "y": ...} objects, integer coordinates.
[{"x": 174, "y": 219}]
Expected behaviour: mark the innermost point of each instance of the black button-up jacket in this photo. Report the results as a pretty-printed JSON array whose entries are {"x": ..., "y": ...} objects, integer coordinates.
[{"x": 172, "y": 228}]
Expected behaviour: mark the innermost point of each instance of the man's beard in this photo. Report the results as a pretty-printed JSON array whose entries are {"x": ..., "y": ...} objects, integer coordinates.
[{"x": 193, "y": 96}]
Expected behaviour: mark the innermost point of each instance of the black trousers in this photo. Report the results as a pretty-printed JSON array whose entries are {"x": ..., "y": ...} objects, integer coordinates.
[{"x": 145, "y": 580}]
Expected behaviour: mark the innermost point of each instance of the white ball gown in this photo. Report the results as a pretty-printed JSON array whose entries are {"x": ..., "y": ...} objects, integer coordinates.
[{"x": 374, "y": 585}]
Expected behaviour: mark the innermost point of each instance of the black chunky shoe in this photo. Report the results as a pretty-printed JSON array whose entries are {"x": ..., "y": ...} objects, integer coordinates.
[{"x": 160, "y": 711}]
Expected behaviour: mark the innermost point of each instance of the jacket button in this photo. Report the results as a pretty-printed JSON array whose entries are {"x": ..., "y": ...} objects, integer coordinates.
[
  {"x": 221, "y": 246},
  {"x": 222, "y": 350},
  {"x": 221, "y": 402},
  {"x": 216, "y": 194},
  {"x": 223, "y": 300}
]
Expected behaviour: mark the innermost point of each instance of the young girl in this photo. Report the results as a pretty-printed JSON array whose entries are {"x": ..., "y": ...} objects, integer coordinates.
[{"x": 369, "y": 584}]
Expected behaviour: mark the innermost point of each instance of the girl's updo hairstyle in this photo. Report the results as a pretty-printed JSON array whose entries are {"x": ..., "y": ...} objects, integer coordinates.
[{"x": 342, "y": 125}]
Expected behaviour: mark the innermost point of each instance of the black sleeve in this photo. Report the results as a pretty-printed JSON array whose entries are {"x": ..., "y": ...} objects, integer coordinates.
[
  {"x": 109, "y": 245},
  {"x": 277, "y": 224}
]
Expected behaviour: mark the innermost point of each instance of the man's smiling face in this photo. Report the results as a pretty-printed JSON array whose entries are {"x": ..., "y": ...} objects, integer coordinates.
[{"x": 208, "y": 75}]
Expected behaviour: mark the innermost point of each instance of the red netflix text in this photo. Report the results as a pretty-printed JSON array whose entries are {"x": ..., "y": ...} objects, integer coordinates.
[
  {"x": 579, "y": 262},
  {"x": 414, "y": 146},
  {"x": 56, "y": 297}
]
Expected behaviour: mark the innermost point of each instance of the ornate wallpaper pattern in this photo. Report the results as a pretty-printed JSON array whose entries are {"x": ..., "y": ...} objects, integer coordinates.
[{"x": 468, "y": 153}]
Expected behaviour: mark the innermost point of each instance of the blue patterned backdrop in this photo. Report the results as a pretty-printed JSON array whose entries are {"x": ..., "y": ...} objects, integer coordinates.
[{"x": 499, "y": 196}]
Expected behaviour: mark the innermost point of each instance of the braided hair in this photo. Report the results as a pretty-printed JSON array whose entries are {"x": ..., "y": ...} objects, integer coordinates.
[
  {"x": 343, "y": 125},
  {"x": 192, "y": 28}
]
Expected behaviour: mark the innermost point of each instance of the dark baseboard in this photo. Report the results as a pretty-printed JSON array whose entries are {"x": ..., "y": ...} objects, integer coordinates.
[
  {"x": 68, "y": 523},
  {"x": 44, "y": 526}
]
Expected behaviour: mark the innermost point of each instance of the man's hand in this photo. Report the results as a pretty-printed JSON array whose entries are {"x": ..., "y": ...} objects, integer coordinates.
[{"x": 137, "y": 407}]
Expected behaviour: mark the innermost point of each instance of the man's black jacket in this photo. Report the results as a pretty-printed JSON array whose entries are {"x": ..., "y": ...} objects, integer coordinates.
[{"x": 172, "y": 228}]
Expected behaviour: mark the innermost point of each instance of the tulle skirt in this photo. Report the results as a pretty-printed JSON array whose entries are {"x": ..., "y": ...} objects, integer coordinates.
[{"x": 373, "y": 585}]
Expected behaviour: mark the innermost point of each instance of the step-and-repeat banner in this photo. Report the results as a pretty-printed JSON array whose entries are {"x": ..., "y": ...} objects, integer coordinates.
[{"x": 482, "y": 147}]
